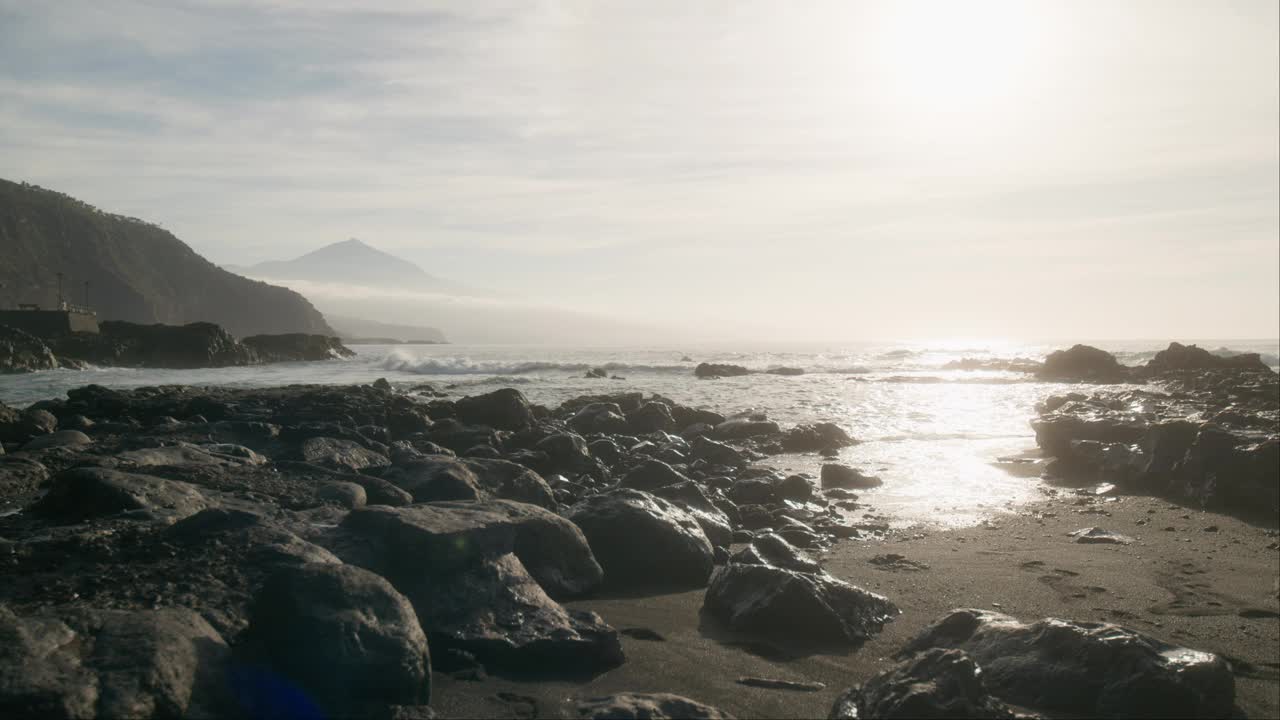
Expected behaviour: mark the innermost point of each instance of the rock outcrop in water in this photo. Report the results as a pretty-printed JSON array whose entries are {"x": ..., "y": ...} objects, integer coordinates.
[
  {"x": 22, "y": 352},
  {"x": 1211, "y": 438},
  {"x": 1083, "y": 363}
]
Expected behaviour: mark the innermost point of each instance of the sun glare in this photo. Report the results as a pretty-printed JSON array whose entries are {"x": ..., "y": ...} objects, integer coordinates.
[{"x": 948, "y": 56}]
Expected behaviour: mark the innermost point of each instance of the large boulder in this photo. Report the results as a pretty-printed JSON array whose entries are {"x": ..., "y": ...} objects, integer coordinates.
[
  {"x": 653, "y": 416},
  {"x": 505, "y": 409},
  {"x": 457, "y": 564},
  {"x": 1083, "y": 363},
  {"x": 691, "y": 498},
  {"x": 21, "y": 352},
  {"x": 934, "y": 684},
  {"x": 842, "y": 476},
  {"x": 647, "y": 706},
  {"x": 340, "y": 454},
  {"x": 89, "y": 492},
  {"x": 164, "y": 663},
  {"x": 644, "y": 541},
  {"x": 652, "y": 474},
  {"x": 59, "y": 439},
  {"x": 745, "y": 425},
  {"x": 718, "y": 453},
  {"x": 816, "y": 437},
  {"x": 216, "y": 455},
  {"x": 773, "y": 549},
  {"x": 440, "y": 477},
  {"x": 1084, "y": 668},
  {"x": 343, "y": 635},
  {"x": 599, "y": 417},
  {"x": 812, "y": 609}
]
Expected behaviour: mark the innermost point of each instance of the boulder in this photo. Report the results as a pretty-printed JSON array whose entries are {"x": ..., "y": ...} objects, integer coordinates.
[
  {"x": 1189, "y": 357},
  {"x": 164, "y": 663},
  {"x": 773, "y": 549},
  {"x": 339, "y": 454},
  {"x": 82, "y": 493},
  {"x": 795, "y": 487},
  {"x": 815, "y": 438},
  {"x": 185, "y": 454},
  {"x": 643, "y": 541},
  {"x": 934, "y": 684},
  {"x": 343, "y": 635},
  {"x": 647, "y": 706},
  {"x": 652, "y": 416},
  {"x": 59, "y": 439},
  {"x": 21, "y": 352},
  {"x": 717, "y": 453},
  {"x": 845, "y": 477},
  {"x": 566, "y": 452},
  {"x": 691, "y": 498},
  {"x": 745, "y": 425},
  {"x": 438, "y": 477},
  {"x": 809, "y": 609},
  {"x": 600, "y": 417},
  {"x": 1083, "y": 363},
  {"x": 1083, "y": 668},
  {"x": 716, "y": 370},
  {"x": 504, "y": 409},
  {"x": 652, "y": 474},
  {"x": 346, "y": 494}
]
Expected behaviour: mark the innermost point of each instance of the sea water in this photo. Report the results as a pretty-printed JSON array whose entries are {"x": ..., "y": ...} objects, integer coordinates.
[{"x": 935, "y": 436}]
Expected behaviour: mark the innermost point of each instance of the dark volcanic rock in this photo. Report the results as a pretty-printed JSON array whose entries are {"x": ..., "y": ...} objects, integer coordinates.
[
  {"x": 799, "y": 608},
  {"x": 454, "y": 562},
  {"x": 295, "y": 347},
  {"x": 651, "y": 475},
  {"x": 814, "y": 438},
  {"x": 652, "y": 416},
  {"x": 934, "y": 684},
  {"x": 600, "y": 417},
  {"x": 196, "y": 345},
  {"x": 1084, "y": 363},
  {"x": 21, "y": 352},
  {"x": 647, "y": 706},
  {"x": 164, "y": 663},
  {"x": 714, "y": 370},
  {"x": 643, "y": 541},
  {"x": 1189, "y": 357},
  {"x": 338, "y": 454},
  {"x": 58, "y": 439},
  {"x": 1089, "y": 669},
  {"x": 717, "y": 453},
  {"x": 343, "y": 635},
  {"x": 81, "y": 493},
  {"x": 439, "y": 477},
  {"x": 504, "y": 409},
  {"x": 842, "y": 476},
  {"x": 773, "y": 549},
  {"x": 745, "y": 425},
  {"x": 691, "y": 498}
]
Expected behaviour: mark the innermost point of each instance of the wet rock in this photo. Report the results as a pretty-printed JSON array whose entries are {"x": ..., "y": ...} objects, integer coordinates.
[
  {"x": 1089, "y": 669},
  {"x": 343, "y": 635},
  {"x": 566, "y": 452},
  {"x": 652, "y": 474},
  {"x": 934, "y": 684},
  {"x": 779, "y": 684},
  {"x": 186, "y": 454},
  {"x": 340, "y": 454},
  {"x": 435, "y": 478},
  {"x": 1189, "y": 357},
  {"x": 164, "y": 663},
  {"x": 754, "y": 491},
  {"x": 505, "y": 409},
  {"x": 717, "y": 453},
  {"x": 785, "y": 371},
  {"x": 510, "y": 481},
  {"x": 59, "y": 439},
  {"x": 647, "y": 706},
  {"x": 716, "y": 370},
  {"x": 600, "y": 417},
  {"x": 296, "y": 347},
  {"x": 81, "y": 493},
  {"x": 1083, "y": 363},
  {"x": 643, "y": 541},
  {"x": 1096, "y": 535},
  {"x": 773, "y": 549},
  {"x": 847, "y": 478},
  {"x": 745, "y": 425},
  {"x": 795, "y": 607},
  {"x": 691, "y": 498},
  {"x": 795, "y": 487},
  {"x": 816, "y": 437},
  {"x": 652, "y": 416}
]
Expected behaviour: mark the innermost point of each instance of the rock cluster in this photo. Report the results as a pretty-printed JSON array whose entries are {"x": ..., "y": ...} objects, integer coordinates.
[{"x": 319, "y": 550}]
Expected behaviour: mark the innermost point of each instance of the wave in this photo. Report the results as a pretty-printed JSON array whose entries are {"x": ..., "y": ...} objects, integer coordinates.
[{"x": 467, "y": 366}]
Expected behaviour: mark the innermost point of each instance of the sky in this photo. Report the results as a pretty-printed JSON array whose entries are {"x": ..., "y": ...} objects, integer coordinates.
[{"x": 785, "y": 170}]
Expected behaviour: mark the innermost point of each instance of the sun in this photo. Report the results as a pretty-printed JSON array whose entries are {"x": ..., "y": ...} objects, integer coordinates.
[{"x": 956, "y": 56}]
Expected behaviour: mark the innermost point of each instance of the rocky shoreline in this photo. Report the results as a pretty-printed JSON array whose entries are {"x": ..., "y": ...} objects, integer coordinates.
[
  {"x": 346, "y": 551},
  {"x": 124, "y": 344}
]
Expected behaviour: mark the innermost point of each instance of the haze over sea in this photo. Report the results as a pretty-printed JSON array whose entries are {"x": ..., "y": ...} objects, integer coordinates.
[{"x": 934, "y": 435}]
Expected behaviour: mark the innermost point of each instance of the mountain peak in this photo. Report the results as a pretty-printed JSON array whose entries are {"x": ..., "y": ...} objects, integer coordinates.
[{"x": 351, "y": 262}]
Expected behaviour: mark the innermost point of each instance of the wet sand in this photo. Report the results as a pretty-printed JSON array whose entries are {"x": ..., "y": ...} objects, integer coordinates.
[{"x": 1210, "y": 589}]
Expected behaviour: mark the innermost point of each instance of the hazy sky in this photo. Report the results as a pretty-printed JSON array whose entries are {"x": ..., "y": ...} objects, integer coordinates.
[{"x": 819, "y": 170}]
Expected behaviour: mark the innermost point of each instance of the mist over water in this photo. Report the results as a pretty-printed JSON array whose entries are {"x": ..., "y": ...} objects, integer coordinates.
[{"x": 934, "y": 435}]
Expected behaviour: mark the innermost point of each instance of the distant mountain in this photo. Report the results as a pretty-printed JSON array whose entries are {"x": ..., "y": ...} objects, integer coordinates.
[
  {"x": 136, "y": 271},
  {"x": 350, "y": 262},
  {"x": 350, "y": 328}
]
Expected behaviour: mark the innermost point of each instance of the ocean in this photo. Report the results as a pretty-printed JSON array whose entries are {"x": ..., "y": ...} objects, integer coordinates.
[{"x": 934, "y": 435}]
